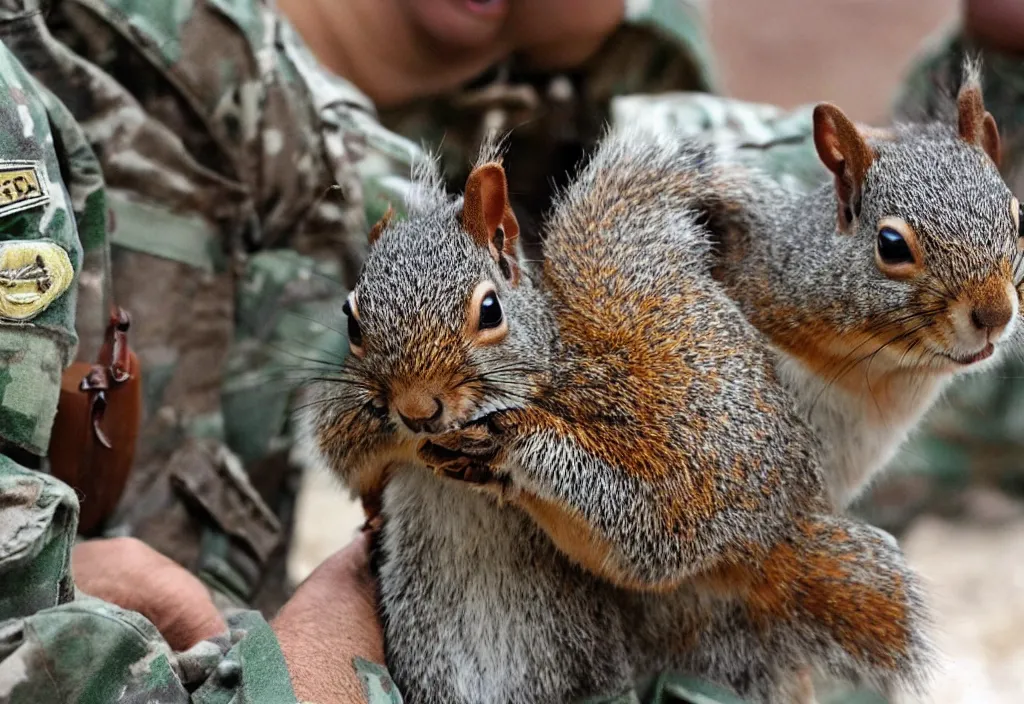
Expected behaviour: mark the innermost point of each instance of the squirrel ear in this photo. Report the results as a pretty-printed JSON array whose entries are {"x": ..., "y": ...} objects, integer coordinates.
[
  {"x": 976, "y": 125},
  {"x": 381, "y": 225},
  {"x": 488, "y": 218},
  {"x": 845, "y": 152}
]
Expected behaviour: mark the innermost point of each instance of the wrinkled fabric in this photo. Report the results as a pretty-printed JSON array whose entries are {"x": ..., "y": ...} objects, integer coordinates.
[
  {"x": 35, "y": 347},
  {"x": 194, "y": 181},
  {"x": 95, "y": 653},
  {"x": 236, "y": 179}
]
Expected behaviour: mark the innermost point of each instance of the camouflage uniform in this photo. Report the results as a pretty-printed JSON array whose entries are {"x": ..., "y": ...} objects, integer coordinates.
[
  {"x": 54, "y": 647},
  {"x": 219, "y": 179},
  {"x": 219, "y": 141}
]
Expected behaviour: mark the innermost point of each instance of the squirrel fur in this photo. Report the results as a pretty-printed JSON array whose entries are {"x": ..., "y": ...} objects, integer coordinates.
[
  {"x": 865, "y": 347},
  {"x": 610, "y": 477},
  {"x": 614, "y": 463}
]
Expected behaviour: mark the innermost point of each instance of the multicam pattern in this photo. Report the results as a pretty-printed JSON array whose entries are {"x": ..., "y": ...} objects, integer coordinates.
[
  {"x": 240, "y": 192},
  {"x": 45, "y": 339},
  {"x": 229, "y": 240}
]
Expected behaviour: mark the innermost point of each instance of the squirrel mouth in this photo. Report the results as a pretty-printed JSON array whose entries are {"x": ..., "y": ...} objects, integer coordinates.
[{"x": 980, "y": 356}]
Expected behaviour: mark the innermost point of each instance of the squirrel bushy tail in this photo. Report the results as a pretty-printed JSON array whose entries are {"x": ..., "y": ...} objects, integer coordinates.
[{"x": 838, "y": 596}]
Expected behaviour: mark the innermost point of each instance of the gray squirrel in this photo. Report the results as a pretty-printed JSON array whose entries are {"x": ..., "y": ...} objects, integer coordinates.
[
  {"x": 878, "y": 291},
  {"x": 589, "y": 471}
]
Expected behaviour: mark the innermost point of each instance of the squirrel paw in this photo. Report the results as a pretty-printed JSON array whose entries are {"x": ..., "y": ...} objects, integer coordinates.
[
  {"x": 466, "y": 455},
  {"x": 466, "y": 469},
  {"x": 476, "y": 441}
]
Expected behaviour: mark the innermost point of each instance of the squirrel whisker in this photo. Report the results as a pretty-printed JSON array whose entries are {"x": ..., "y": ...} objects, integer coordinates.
[
  {"x": 335, "y": 357},
  {"x": 853, "y": 363},
  {"x": 358, "y": 409},
  {"x": 679, "y": 489},
  {"x": 867, "y": 367}
]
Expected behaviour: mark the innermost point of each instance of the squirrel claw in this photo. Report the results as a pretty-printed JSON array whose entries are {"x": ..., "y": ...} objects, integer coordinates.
[
  {"x": 466, "y": 470},
  {"x": 442, "y": 458},
  {"x": 472, "y": 441},
  {"x": 472, "y": 470},
  {"x": 479, "y": 477}
]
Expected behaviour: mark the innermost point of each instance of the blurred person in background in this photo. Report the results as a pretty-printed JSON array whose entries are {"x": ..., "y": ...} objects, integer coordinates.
[{"x": 191, "y": 149}]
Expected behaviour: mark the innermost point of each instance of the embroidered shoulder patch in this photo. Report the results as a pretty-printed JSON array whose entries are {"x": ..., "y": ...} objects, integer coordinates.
[
  {"x": 33, "y": 273},
  {"x": 22, "y": 186}
]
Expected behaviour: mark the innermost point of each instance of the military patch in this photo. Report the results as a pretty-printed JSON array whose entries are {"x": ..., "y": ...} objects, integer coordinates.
[
  {"x": 21, "y": 186},
  {"x": 33, "y": 274}
]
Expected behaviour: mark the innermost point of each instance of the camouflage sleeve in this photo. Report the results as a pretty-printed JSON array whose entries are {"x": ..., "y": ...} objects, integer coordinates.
[
  {"x": 56, "y": 647},
  {"x": 40, "y": 256},
  {"x": 771, "y": 138},
  {"x": 38, "y": 516},
  {"x": 371, "y": 163},
  {"x": 289, "y": 323},
  {"x": 238, "y": 158}
]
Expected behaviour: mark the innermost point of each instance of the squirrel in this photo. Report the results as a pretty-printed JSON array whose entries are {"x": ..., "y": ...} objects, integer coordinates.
[
  {"x": 879, "y": 289},
  {"x": 594, "y": 469}
]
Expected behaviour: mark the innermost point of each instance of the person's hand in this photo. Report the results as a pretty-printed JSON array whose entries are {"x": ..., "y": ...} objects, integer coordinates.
[
  {"x": 995, "y": 24},
  {"x": 129, "y": 573},
  {"x": 331, "y": 619}
]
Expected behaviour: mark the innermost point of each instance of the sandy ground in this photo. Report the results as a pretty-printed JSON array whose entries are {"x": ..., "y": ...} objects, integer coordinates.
[
  {"x": 975, "y": 571},
  {"x": 852, "y": 52}
]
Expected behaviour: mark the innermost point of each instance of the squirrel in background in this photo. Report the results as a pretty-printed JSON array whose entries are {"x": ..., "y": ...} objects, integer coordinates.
[
  {"x": 879, "y": 290},
  {"x": 620, "y": 483}
]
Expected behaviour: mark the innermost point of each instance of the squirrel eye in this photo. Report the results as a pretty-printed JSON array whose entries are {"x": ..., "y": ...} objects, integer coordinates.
[
  {"x": 893, "y": 248},
  {"x": 485, "y": 321},
  {"x": 490, "y": 312},
  {"x": 355, "y": 331}
]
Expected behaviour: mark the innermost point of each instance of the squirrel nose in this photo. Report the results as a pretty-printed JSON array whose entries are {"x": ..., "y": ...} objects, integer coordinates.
[
  {"x": 419, "y": 412},
  {"x": 992, "y": 316}
]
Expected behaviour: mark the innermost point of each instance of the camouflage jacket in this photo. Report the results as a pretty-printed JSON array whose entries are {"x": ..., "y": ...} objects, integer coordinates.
[
  {"x": 217, "y": 177},
  {"x": 219, "y": 141}
]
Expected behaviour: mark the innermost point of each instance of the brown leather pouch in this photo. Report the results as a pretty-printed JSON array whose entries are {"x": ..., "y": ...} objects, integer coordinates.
[{"x": 97, "y": 425}]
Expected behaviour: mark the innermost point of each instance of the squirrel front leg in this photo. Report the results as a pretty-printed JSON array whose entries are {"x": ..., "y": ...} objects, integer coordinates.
[{"x": 611, "y": 523}]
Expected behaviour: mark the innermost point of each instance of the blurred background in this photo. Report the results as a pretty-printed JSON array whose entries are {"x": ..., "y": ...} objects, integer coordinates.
[{"x": 854, "y": 53}]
